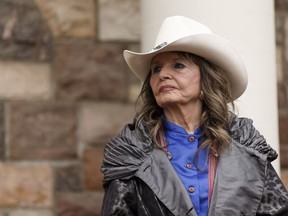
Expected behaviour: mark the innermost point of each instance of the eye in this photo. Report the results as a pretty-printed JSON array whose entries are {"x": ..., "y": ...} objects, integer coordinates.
[
  {"x": 179, "y": 65},
  {"x": 155, "y": 69}
]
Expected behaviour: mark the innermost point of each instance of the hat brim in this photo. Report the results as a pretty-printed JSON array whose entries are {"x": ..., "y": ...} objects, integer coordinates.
[{"x": 212, "y": 47}]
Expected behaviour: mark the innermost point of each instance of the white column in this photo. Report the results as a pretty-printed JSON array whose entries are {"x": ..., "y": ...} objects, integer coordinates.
[{"x": 249, "y": 25}]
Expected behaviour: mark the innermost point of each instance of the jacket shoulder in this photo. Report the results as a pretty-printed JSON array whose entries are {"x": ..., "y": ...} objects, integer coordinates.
[
  {"x": 124, "y": 153},
  {"x": 243, "y": 132}
]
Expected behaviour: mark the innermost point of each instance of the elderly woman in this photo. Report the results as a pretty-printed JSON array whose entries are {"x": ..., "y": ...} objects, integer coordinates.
[{"x": 187, "y": 153}]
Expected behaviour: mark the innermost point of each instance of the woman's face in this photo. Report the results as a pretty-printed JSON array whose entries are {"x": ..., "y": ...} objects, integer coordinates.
[{"x": 174, "y": 80}]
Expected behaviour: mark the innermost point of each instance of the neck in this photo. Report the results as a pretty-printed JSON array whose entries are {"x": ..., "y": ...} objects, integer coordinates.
[{"x": 186, "y": 117}]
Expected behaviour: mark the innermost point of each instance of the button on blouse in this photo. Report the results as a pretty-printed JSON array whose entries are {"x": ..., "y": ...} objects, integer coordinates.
[
  {"x": 191, "y": 189},
  {"x": 189, "y": 165},
  {"x": 191, "y": 139},
  {"x": 183, "y": 147}
]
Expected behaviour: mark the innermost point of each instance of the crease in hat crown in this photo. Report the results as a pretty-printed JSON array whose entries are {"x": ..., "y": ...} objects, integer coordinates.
[{"x": 178, "y": 33}]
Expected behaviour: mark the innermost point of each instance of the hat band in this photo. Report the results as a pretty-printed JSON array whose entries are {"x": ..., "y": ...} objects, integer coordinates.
[{"x": 159, "y": 46}]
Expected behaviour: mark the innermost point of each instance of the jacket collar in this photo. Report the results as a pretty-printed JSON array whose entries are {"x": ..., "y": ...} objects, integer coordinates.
[
  {"x": 126, "y": 152},
  {"x": 238, "y": 183},
  {"x": 133, "y": 148},
  {"x": 158, "y": 173}
]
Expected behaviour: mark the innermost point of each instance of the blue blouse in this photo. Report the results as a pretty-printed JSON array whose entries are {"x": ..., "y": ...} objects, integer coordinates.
[{"x": 183, "y": 147}]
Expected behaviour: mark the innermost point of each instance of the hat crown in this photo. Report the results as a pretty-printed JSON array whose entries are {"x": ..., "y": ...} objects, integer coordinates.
[
  {"x": 178, "y": 33},
  {"x": 177, "y": 27}
]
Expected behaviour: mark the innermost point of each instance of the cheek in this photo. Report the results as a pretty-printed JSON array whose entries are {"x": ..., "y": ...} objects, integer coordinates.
[
  {"x": 189, "y": 81},
  {"x": 192, "y": 86}
]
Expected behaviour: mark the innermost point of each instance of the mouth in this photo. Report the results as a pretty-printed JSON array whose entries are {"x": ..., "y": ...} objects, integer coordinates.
[{"x": 166, "y": 88}]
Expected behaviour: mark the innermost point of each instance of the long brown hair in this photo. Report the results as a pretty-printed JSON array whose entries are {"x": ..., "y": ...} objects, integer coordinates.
[{"x": 216, "y": 109}]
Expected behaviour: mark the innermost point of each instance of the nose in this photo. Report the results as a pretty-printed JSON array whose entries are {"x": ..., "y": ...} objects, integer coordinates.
[{"x": 165, "y": 73}]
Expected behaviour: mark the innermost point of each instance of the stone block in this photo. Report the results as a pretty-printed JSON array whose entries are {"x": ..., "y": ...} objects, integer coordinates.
[
  {"x": 92, "y": 161},
  {"x": 86, "y": 70},
  {"x": 100, "y": 121},
  {"x": 69, "y": 178},
  {"x": 119, "y": 20},
  {"x": 134, "y": 90},
  {"x": 285, "y": 42},
  {"x": 69, "y": 18},
  {"x": 284, "y": 177},
  {"x": 281, "y": 5},
  {"x": 283, "y": 127},
  {"x": 2, "y": 132},
  {"x": 284, "y": 155},
  {"x": 24, "y": 212},
  {"x": 279, "y": 29},
  {"x": 79, "y": 204},
  {"x": 42, "y": 131},
  {"x": 25, "y": 185},
  {"x": 279, "y": 64},
  {"x": 282, "y": 98},
  {"x": 25, "y": 34},
  {"x": 25, "y": 81}
]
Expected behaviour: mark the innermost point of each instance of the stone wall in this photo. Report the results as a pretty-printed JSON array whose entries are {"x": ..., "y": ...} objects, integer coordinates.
[{"x": 65, "y": 89}]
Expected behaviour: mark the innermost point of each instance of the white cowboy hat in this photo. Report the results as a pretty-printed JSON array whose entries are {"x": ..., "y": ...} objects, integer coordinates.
[{"x": 179, "y": 33}]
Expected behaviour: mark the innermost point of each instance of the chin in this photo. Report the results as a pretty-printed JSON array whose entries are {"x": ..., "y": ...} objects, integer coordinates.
[
  {"x": 167, "y": 100},
  {"x": 167, "y": 103}
]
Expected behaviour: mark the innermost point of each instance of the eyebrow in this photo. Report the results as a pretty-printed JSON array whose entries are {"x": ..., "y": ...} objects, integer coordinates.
[
  {"x": 154, "y": 62},
  {"x": 174, "y": 59}
]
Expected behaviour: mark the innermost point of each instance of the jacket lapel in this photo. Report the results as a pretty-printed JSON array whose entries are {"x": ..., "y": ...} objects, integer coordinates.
[
  {"x": 158, "y": 173},
  {"x": 239, "y": 183}
]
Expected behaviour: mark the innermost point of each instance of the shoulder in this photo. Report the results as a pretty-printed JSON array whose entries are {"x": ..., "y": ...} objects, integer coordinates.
[
  {"x": 243, "y": 132},
  {"x": 129, "y": 141},
  {"x": 124, "y": 153}
]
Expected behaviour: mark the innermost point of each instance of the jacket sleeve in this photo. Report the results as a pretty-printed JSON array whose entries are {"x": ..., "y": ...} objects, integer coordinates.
[
  {"x": 118, "y": 199},
  {"x": 274, "y": 200}
]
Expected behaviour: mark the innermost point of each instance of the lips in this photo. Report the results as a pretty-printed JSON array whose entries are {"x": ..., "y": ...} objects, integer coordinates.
[{"x": 166, "y": 88}]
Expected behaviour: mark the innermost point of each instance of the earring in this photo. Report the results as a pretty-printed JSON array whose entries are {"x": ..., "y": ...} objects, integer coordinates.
[{"x": 201, "y": 95}]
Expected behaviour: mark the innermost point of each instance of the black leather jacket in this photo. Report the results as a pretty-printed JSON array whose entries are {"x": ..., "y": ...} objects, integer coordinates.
[{"x": 140, "y": 180}]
